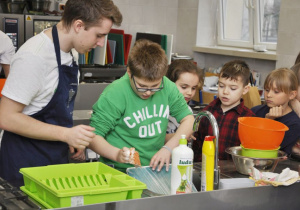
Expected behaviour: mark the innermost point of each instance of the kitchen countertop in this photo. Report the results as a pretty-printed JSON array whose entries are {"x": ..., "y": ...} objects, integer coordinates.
[
  {"x": 227, "y": 170},
  {"x": 264, "y": 197}
]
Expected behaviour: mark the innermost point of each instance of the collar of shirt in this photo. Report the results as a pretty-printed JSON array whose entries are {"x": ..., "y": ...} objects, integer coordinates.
[{"x": 216, "y": 105}]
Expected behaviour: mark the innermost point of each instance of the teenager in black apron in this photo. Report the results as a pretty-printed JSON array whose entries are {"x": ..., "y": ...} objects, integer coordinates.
[{"x": 19, "y": 151}]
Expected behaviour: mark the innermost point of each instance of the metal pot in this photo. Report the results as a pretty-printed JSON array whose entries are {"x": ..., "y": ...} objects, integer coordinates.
[
  {"x": 13, "y": 6},
  {"x": 3, "y": 5},
  {"x": 16, "y": 7},
  {"x": 244, "y": 164},
  {"x": 38, "y": 5}
]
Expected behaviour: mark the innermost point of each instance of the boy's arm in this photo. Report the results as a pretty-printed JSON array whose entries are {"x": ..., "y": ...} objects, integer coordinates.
[
  {"x": 105, "y": 149},
  {"x": 185, "y": 128},
  {"x": 12, "y": 119},
  {"x": 163, "y": 155},
  {"x": 168, "y": 137}
]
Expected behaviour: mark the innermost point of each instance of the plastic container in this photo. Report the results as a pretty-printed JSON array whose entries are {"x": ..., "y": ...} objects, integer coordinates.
[
  {"x": 182, "y": 168},
  {"x": 158, "y": 182},
  {"x": 236, "y": 183},
  {"x": 208, "y": 163},
  {"x": 70, "y": 185},
  {"x": 257, "y": 153},
  {"x": 260, "y": 133}
]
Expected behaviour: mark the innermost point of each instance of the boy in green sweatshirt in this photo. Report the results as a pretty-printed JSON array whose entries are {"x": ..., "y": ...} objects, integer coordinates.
[{"x": 133, "y": 111}]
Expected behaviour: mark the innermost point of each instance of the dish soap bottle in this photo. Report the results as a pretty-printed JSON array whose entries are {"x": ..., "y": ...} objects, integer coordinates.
[
  {"x": 182, "y": 168},
  {"x": 208, "y": 161}
]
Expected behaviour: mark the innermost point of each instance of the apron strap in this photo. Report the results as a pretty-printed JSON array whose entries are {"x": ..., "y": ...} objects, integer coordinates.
[
  {"x": 56, "y": 44},
  {"x": 73, "y": 61}
]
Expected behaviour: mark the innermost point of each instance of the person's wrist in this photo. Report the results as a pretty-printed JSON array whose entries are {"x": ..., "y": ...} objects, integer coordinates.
[{"x": 167, "y": 148}]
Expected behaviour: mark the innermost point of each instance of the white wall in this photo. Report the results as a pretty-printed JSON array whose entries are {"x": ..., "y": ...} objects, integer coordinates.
[
  {"x": 153, "y": 16},
  {"x": 179, "y": 17},
  {"x": 186, "y": 26},
  {"x": 207, "y": 11},
  {"x": 288, "y": 45}
]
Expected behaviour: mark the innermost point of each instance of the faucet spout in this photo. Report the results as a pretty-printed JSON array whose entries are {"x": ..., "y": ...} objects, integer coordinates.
[{"x": 215, "y": 129}]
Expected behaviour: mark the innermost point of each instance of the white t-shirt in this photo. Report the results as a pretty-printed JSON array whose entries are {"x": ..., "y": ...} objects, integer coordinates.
[
  {"x": 33, "y": 76},
  {"x": 7, "y": 49}
]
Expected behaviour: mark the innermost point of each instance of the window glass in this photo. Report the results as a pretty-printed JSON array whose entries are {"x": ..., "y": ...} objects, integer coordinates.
[
  {"x": 269, "y": 18},
  {"x": 235, "y": 20},
  {"x": 244, "y": 23}
]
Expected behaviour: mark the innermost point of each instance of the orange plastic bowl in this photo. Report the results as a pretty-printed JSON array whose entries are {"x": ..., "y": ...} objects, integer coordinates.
[{"x": 260, "y": 133}]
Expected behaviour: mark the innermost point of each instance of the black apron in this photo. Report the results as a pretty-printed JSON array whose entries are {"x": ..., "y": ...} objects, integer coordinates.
[{"x": 19, "y": 151}]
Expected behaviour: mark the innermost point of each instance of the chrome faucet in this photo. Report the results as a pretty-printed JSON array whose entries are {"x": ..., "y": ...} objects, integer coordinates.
[{"x": 215, "y": 129}]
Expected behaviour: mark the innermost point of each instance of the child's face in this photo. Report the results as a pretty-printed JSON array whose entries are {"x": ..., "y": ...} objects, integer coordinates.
[
  {"x": 230, "y": 92},
  {"x": 145, "y": 84},
  {"x": 275, "y": 97},
  {"x": 187, "y": 84}
]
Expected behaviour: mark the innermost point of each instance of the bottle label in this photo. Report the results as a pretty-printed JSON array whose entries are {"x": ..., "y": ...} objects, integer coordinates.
[
  {"x": 185, "y": 168},
  {"x": 207, "y": 172}
]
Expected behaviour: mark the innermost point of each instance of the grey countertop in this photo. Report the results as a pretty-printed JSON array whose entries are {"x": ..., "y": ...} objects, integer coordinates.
[{"x": 266, "y": 197}]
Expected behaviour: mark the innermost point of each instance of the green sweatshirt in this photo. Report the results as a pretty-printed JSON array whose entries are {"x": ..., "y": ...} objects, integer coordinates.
[{"x": 125, "y": 120}]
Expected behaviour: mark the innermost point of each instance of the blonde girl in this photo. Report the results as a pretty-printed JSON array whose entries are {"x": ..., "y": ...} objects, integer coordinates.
[{"x": 280, "y": 88}]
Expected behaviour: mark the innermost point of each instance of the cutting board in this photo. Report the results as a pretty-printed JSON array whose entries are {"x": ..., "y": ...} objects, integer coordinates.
[{"x": 119, "y": 53}]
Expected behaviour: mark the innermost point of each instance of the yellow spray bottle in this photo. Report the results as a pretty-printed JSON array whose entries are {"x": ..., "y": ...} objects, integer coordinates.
[{"x": 208, "y": 161}]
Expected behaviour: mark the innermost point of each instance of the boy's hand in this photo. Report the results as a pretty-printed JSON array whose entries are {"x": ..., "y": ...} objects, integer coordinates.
[
  {"x": 275, "y": 112},
  {"x": 124, "y": 155},
  {"x": 192, "y": 138},
  {"x": 162, "y": 157},
  {"x": 77, "y": 154},
  {"x": 79, "y": 136}
]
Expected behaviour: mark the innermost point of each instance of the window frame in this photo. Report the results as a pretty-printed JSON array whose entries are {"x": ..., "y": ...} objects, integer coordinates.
[
  {"x": 258, "y": 5},
  {"x": 255, "y": 24}
]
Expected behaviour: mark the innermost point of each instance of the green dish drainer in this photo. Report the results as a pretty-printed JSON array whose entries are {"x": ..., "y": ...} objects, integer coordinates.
[{"x": 69, "y": 185}]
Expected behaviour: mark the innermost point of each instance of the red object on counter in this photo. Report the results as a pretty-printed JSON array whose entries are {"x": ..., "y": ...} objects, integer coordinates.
[{"x": 2, "y": 82}]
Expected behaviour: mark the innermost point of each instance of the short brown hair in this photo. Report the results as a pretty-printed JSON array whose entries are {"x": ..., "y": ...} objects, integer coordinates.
[
  {"x": 147, "y": 60},
  {"x": 178, "y": 67},
  {"x": 296, "y": 70},
  {"x": 284, "y": 79},
  {"x": 90, "y": 12},
  {"x": 234, "y": 69}
]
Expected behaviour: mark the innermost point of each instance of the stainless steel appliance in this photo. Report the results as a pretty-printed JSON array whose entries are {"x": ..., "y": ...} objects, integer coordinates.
[
  {"x": 20, "y": 27},
  {"x": 35, "y": 24},
  {"x": 13, "y": 26}
]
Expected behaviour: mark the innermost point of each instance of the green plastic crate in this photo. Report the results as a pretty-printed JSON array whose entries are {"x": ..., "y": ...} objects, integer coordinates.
[{"x": 69, "y": 185}]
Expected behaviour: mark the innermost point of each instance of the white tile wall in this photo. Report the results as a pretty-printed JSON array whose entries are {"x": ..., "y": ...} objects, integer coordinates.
[
  {"x": 179, "y": 17},
  {"x": 207, "y": 36},
  {"x": 289, "y": 33},
  {"x": 182, "y": 18},
  {"x": 155, "y": 16},
  {"x": 186, "y": 27}
]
